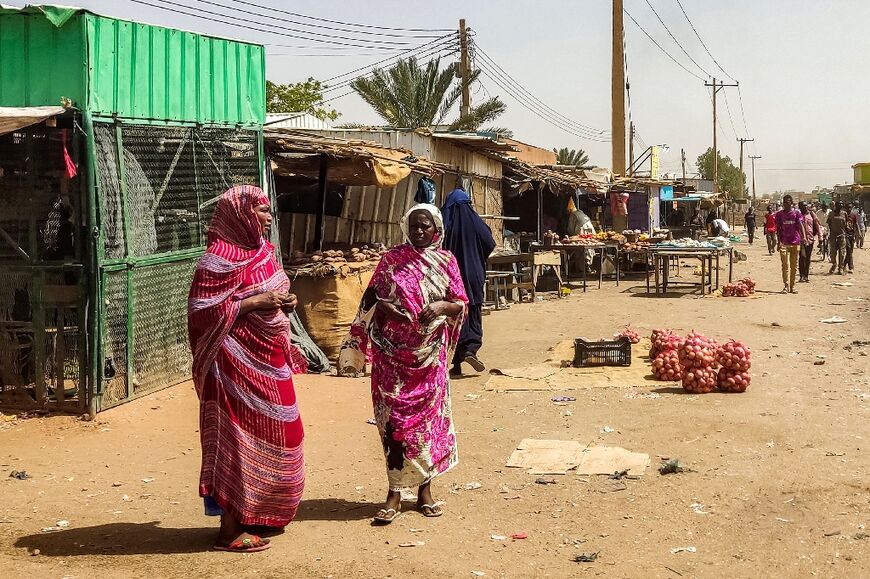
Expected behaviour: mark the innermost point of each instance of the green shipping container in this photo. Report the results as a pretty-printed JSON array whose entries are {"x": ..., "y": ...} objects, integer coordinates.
[
  {"x": 110, "y": 67},
  {"x": 862, "y": 173}
]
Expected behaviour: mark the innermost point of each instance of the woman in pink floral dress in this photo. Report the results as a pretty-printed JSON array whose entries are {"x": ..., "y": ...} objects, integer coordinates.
[{"x": 408, "y": 324}]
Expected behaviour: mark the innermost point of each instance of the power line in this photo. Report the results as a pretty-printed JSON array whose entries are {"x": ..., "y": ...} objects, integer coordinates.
[
  {"x": 371, "y": 26},
  {"x": 522, "y": 100},
  {"x": 507, "y": 78},
  {"x": 437, "y": 52},
  {"x": 289, "y": 34},
  {"x": 443, "y": 40},
  {"x": 659, "y": 46},
  {"x": 348, "y": 93},
  {"x": 742, "y": 110},
  {"x": 730, "y": 118},
  {"x": 702, "y": 43},
  {"x": 272, "y": 16},
  {"x": 674, "y": 38}
]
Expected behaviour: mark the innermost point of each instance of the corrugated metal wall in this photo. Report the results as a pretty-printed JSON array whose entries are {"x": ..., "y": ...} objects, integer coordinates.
[
  {"x": 132, "y": 70},
  {"x": 149, "y": 72},
  {"x": 372, "y": 214},
  {"x": 39, "y": 62}
]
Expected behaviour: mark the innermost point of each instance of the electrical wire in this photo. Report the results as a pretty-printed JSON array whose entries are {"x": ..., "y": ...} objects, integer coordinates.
[
  {"x": 370, "y": 26},
  {"x": 543, "y": 115},
  {"x": 272, "y": 11},
  {"x": 434, "y": 51},
  {"x": 659, "y": 46},
  {"x": 730, "y": 118},
  {"x": 282, "y": 31},
  {"x": 674, "y": 38},
  {"x": 508, "y": 79},
  {"x": 707, "y": 50},
  {"x": 348, "y": 93},
  {"x": 444, "y": 39},
  {"x": 742, "y": 110}
]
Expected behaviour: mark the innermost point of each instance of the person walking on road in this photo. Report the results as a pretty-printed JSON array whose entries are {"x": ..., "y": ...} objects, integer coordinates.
[
  {"x": 822, "y": 217},
  {"x": 837, "y": 220},
  {"x": 789, "y": 238},
  {"x": 770, "y": 229},
  {"x": 409, "y": 322},
  {"x": 861, "y": 227},
  {"x": 851, "y": 234},
  {"x": 749, "y": 220},
  {"x": 468, "y": 238},
  {"x": 811, "y": 230}
]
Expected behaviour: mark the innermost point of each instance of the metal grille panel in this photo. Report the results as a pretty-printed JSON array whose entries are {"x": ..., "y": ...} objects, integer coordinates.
[
  {"x": 114, "y": 360},
  {"x": 161, "y": 355}
]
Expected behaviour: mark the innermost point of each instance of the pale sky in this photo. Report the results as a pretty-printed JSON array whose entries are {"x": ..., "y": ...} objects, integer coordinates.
[{"x": 802, "y": 67}]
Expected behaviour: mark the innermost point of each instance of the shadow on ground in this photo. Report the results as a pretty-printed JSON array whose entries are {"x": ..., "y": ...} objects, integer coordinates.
[
  {"x": 121, "y": 539},
  {"x": 152, "y": 539}
]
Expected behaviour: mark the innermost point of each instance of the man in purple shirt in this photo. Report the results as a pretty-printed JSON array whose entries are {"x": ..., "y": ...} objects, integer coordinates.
[{"x": 789, "y": 236}]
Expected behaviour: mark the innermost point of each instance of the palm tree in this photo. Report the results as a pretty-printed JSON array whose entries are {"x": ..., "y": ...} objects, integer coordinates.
[
  {"x": 410, "y": 95},
  {"x": 566, "y": 156}
]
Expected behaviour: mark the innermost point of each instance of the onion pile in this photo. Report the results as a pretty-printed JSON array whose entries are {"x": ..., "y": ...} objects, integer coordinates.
[
  {"x": 741, "y": 289},
  {"x": 698, "y": 358},
  {"x": 736, "y": 360},
  {"x": 666, "y": 366},
  {"x": 699, "y": 380},
  {"x": 630, "y": 334},
  {"x": 336, "y": 257},
  {"x": 663, "y": 340}
]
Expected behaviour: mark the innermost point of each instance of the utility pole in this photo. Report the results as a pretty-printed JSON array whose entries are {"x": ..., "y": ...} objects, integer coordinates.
[
  {"x": 631, "y": 146},
  {"x": 717, "y": 86},
  {"x": 464, "y": 69},
  {"x": 742, "y": 174},
  {"x": 683, "y": 156},
  {"x": 617, "y": 91},
  {"x": 753, "y": 158}
]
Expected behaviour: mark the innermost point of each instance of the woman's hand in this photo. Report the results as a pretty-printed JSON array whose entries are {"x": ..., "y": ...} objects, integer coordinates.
[
  {"x": 391, "y": 312},
  {"x": 264, "y": 301},
  {"x": 290, "y": 302},
  {"x": 436, "y": 309}
]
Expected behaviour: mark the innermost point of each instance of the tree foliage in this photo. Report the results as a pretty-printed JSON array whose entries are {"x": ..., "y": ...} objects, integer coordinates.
[
  {"x": 410, "y": 95},
  {"x": 575, "y": 157},
  {"x": 299, "y": 97},
  {"x": 729, "y": 175}
]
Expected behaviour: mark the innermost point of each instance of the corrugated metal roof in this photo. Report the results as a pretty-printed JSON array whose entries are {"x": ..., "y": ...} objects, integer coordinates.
[
  {"x": 295, "y": 121},
  {"x": 476, "y": 141}
]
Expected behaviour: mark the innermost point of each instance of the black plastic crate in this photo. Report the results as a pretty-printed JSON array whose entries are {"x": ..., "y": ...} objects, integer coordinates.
[{"x": 602, "y": 353}]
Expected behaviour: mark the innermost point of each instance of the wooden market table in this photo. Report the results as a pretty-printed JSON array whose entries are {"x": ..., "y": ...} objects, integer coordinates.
[
  {"x": 558, "y": 256},
  {"x": 708, "y": 256}
]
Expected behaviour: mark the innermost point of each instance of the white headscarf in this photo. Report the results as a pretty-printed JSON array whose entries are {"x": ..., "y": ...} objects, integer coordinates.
[{"x": 437, "y": 219}]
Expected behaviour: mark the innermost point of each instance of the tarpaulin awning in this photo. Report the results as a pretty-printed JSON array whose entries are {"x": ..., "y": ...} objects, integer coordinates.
[
  {"x": 381, "y": 168},
  {"x": 16, "y": 118}
]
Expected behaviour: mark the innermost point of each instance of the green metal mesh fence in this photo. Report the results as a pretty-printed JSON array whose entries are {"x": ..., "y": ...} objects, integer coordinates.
[
  {"x": 169, "y": 175},
  {"x": 161, "y": 356}
]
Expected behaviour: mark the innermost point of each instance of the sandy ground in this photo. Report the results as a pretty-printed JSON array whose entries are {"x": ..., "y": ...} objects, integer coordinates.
[{"x": 780, "y": 472}]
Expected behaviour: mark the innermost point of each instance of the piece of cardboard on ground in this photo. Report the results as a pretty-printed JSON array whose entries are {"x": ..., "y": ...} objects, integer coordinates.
[
  {"x": 611, "y": 459},
  {"x": 560, "y": 456},
  {"x": 551, "y": 375},
  {"x": 546, "y": 456}
]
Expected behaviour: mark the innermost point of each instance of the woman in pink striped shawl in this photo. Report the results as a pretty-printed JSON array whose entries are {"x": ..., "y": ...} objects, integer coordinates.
[{"x": 243, "y": 362}]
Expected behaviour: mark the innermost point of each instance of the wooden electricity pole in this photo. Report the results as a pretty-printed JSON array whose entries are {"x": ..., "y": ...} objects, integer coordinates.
[
  {"x": 717, "y": 86},
  {"x": 753, "y": 158},
  {"x": 464, "y": 69},
  {"x": 683, "y": 156},
  {"x": 617, "y": 91}
]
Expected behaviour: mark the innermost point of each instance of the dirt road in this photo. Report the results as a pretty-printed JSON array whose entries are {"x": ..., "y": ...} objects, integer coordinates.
[{"x": 778, "y": 487}]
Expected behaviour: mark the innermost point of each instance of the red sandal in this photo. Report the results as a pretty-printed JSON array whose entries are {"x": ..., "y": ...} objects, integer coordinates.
[{"x": 252, "y": 544}]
